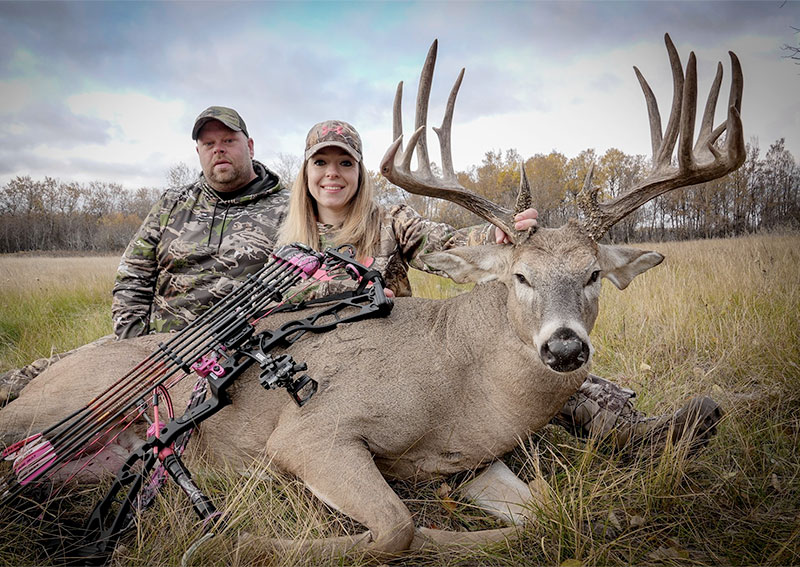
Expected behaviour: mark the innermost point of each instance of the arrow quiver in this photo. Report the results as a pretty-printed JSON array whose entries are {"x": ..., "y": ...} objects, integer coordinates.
[{"x": 218, "y": 346}]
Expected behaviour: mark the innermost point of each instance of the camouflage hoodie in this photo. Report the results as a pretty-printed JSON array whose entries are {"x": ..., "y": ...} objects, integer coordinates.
[{"x": 191, "y": 250}]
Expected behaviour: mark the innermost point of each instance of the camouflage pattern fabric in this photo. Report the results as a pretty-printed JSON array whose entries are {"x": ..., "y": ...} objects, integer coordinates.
[
  {"x": 404, "y": 237},
  {"x": 191, "y": 250},
  {"x": 604, "y": 411},
  {"x": 597, "y": 408},
  {"x": 228, "y": 116},
  {"x": 333, "y": 133}
]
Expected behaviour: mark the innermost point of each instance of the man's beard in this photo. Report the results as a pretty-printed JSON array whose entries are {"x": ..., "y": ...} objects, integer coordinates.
[{"x": 230, "y": 179}]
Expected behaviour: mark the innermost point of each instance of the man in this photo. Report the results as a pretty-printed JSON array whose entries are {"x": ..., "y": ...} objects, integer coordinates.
[{"x": 198, "y": 241}]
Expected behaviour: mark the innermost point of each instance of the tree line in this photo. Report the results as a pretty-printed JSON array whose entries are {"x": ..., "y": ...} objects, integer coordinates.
[
  {"x": 763, "y": 194},
  {"x": 54, "y": 215}
]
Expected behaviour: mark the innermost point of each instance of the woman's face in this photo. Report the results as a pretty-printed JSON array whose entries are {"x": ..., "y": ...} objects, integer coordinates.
[{"x": 332, "y": 182}]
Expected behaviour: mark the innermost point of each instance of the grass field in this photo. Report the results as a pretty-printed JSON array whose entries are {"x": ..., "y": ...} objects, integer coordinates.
[
  {"x": 52, "y": 304},
  {"x": 718, "y": 317}
]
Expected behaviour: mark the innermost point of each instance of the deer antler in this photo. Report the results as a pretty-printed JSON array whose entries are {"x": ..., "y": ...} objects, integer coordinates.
[
  {"x": 703, "y": 163},
  {"x": 396, "y": 164}
]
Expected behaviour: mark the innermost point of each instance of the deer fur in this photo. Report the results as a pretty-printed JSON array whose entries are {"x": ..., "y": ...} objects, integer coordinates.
[{"x": 382, "y": 409}]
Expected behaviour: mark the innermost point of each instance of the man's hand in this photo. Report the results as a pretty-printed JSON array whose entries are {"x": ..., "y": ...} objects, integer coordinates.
[{"x": 522, "y": 221}]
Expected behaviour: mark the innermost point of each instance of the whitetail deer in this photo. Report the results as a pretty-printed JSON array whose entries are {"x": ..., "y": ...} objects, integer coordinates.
[{"x": 440, "y": 386}]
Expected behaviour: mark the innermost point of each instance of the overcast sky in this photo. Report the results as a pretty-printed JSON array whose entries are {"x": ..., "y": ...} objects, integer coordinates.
[{"x": 109, "y": 90}]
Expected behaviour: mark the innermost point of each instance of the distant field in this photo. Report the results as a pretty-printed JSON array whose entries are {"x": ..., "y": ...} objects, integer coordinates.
[
  {"x": 718, "y": 317},
  {"x": 52, "y": 304}
]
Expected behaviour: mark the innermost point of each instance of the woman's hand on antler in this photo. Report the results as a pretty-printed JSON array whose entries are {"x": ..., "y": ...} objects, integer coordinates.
[{"x": 522, "y": 221}]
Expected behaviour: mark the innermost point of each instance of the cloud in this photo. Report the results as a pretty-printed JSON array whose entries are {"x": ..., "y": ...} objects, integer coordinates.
[
  {"x": 97, "y": 135},
  {"x": 103, "y": 87},
  {"x": 44, "y": 125}
]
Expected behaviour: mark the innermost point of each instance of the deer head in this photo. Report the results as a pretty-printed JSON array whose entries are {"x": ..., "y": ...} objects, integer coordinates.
[{"x": 553, "y": 276}]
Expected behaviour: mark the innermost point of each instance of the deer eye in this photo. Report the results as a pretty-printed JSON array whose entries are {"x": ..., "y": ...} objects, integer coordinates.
[
  {"x": 521, "y": 279},
  {"x": 594, "y": 277}
]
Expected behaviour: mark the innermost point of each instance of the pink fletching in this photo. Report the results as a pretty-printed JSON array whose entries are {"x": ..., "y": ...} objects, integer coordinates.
[
  {"x": 11, "y": 451},
  {"x": 35, "y": 474},
  {"x": 31, "y": 455},
  {"x": 307, "y": 264}
]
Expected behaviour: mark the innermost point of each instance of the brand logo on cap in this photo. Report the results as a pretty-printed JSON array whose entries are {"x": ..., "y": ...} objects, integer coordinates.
[{"x": 338, "y": 130}]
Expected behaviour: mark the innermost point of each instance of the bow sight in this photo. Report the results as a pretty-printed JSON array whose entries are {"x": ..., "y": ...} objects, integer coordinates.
[{"x": 218, "y": 346}]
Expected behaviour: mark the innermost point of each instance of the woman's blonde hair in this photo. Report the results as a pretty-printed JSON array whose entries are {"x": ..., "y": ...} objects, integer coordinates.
[{"x": 360, "y": 228}]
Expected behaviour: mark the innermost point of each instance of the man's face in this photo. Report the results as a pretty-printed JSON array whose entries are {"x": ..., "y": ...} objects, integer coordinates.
[{"x": 225, "y": 156}]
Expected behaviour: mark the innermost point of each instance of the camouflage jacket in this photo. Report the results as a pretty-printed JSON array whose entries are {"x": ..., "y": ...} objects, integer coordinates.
[
  {"x": 404, "y": 237},
  {"x": 191, "y": 250}
]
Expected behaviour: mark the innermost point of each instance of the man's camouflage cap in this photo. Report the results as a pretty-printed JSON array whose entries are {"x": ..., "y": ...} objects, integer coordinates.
[
  {"x": 333, "y": 133},
  {"x": 227, "y": 116}
]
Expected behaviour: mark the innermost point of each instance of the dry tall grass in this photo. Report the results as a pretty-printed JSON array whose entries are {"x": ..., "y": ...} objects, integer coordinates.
[
  {"x": 717, "y": 317},
  {"x": 52, "y": 304}
]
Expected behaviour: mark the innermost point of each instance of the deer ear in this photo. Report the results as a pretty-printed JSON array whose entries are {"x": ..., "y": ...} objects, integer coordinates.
[
  {"x": 620, "y": 264},
  {"x": 476, "y": 264}
]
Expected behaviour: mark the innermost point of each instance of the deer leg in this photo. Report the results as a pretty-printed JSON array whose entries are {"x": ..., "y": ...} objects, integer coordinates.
[
  {"x": 501, "y": 493},
  {"x": 344, "y": 476},
  {"x": 346, "y": 479}
]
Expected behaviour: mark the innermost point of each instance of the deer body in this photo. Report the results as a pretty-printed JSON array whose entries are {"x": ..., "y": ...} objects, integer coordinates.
[
  {"x": 480, "y": 384},
  {"x": 382, "y": 408}
]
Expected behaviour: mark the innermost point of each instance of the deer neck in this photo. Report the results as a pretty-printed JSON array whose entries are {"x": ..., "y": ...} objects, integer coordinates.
[
  {"x": 475, "y": 327},
  {"x": 511, "y": 376}
]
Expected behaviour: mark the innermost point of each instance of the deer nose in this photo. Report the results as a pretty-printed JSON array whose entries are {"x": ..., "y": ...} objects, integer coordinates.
[{"x": 564, "y": 351}]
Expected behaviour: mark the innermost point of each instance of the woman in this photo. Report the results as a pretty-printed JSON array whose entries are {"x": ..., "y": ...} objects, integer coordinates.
[{"x": 333, "y": 203}]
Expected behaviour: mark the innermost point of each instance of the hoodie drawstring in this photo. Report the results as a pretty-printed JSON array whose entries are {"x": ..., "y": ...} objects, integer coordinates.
[{"x": 224, "y": 220}]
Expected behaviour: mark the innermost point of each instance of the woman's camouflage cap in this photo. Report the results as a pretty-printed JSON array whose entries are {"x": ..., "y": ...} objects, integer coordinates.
[
  {"x": 227, "y": 116},
  {"x": 333, "y": 133}
]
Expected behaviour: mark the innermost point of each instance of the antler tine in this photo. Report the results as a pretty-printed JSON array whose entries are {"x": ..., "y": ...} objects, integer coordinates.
[
  {"x": 707, "y": 124},
  {"x": 397, "y": 168},
  {"x": 444, "y": 131},
  {"x": 421, "y": 116},
  {"x": 733, "y": 123},
  {"x": 664, "y": 154},
  {"x": 652, "y": 112},
  {"x": 524, "y": 196},
  {"x": 735, "y": 139},
  {"x": 397, "y": 116},
  {"x": 697, "y": 164},
  {"x": 688, "y": 115}
]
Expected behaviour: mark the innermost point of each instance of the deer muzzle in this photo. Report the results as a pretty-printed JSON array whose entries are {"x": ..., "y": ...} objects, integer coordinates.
[{"x": 564, "y": 351}]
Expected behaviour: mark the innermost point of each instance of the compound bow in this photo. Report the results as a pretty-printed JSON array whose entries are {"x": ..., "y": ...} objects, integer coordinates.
[{"x": 218, "y": 346}]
